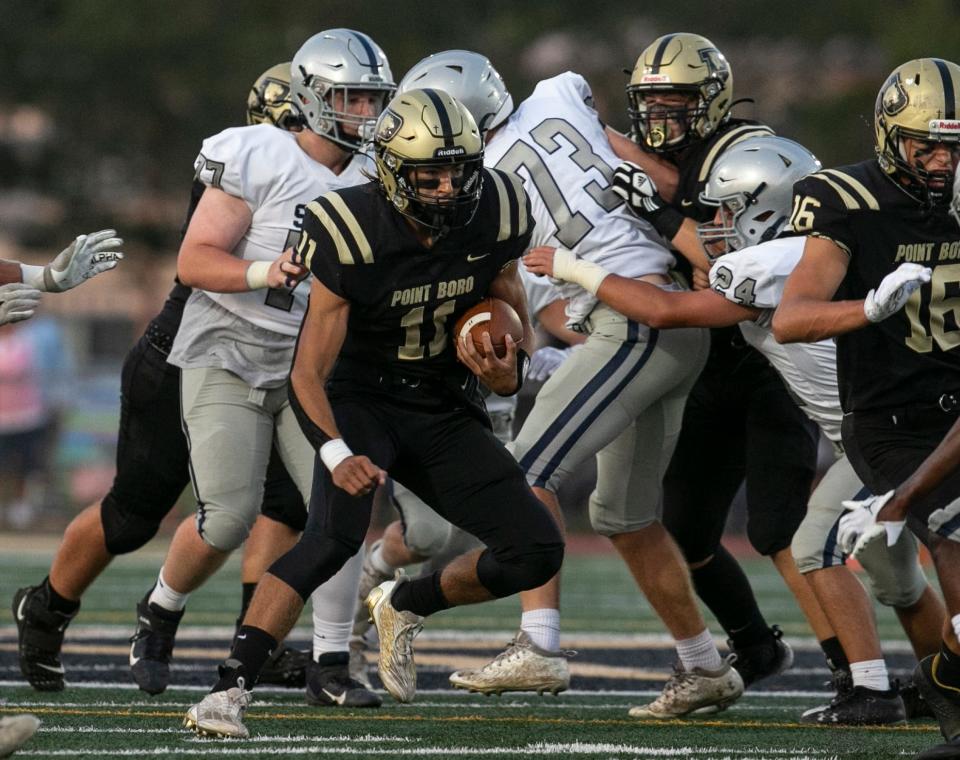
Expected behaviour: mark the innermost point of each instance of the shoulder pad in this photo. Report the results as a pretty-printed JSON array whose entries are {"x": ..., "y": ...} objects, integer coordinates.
[
  {"x": 511, "y": 204},
  {"x": 331, "y": 223}
]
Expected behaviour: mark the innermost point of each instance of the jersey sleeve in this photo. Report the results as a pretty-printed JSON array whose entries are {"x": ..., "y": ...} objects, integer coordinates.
[
  {"x": 512, "y": 214},
  {"x": 228, "y": 162},
  {"x": 746, "y": 281},
  {"x": 819, "y": 210},
  {"x": 317, "y": 247}
]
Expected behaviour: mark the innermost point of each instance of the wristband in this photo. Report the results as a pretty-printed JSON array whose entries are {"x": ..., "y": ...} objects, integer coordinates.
[
  {"x": 523, "y": 364},
  {"x": 667, "y": 221},
  {"x": 586, "y": 274},
  {"x": 257, "y": 273},
  {"x": 40, "y": 278},
  {"x": 333, "y": 452}
]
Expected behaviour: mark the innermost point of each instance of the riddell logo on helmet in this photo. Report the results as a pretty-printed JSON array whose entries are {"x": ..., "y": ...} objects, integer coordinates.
[
  {"x": 456, "y": 150},
  {"x": 655, "y": 79},
  {"x": 945, "y": 127}
]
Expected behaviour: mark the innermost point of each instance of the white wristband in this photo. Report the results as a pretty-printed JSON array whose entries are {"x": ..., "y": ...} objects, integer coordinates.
[
  {"x": 333, "y": 452},
  {"x": 586, "y": 274},
  {"x": 257, "y": 274},
  {"x": 32, "y": 276}
]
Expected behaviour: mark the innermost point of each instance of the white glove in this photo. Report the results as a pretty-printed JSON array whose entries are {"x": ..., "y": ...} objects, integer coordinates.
[
  {"x": 894, "y": 290},
  {"x": 859, "y": 527},
  {"x": 17, "y": 302},
  {"x": 545, "y": 361},
  {"x": 85, "y": 257}
]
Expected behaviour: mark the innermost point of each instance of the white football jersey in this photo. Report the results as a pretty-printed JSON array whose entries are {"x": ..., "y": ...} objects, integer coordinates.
[
  {"x": 556, "y": 143},
  {"x": 755, "y": 277},
  {"x": 266, "y": 167}
]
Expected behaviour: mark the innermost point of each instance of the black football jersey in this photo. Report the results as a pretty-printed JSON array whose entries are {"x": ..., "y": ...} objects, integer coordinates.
[
  {"x": 168, "y": 320},
  {"x": 912, "y": 356},
  {"x": 405, "y": 299}
]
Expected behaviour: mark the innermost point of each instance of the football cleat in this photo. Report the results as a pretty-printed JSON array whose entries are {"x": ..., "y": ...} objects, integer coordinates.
[
  {"x": 859, "y": 706},
  {"x": 39, "y": 637},
  {"x": 220, "y": 713},
  {"x": 370, "y": 578},
  {"x": 522, "y": 666},
  {"x": 943, "y": 699},
  {"x": 694, "y": 690},
  {"x": 914, "y": 704},
  {"x": 330, "y": 685},
  {"x": 396, "y": 629},
  {"x": 151, "y": 646},
  {"x": 286, "y": 667},
  {"x": 768, "y": 658},
  {"x": 15, "y": 731},
  {"x": 948, "y": 751}
]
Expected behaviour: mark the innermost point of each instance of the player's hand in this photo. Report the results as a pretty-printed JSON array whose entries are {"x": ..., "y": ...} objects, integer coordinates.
[
  {"x": 17, "y": 302},
  {"x": 701, "y": 279},
  {"x": 286, "y": 271},
  {"x": 358, "y": 476},
  {"x": 86, "y": 257},
  {"x": 894, "y": 291},
  {"x": 539, "y": 260},
  {"x": 499, "y": 375},
  {"x": 859, "y": 528},
  {"x": 545, "y": 362},
  {"x": 635, "y": 186}
]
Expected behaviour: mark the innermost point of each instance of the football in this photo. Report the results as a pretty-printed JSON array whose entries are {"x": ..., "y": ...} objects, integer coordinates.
[{"x": 495, "y": 317}]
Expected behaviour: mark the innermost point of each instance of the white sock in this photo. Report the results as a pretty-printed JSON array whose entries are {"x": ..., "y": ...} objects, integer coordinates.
[
  {"x": 955, "y": 621},
  {"x": 871, "y": 674},
  {"x": 543, "y": 628},
  {"x": 699, "y": 652},
  {"x": 167, "y": 598},
  {"x": 379, "y": 563},
  {"x": 334, "y": 605}
]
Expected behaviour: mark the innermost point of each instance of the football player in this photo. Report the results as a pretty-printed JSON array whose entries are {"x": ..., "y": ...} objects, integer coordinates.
[
  {"x": 739, "y": 422},
  {"x": 152, "y": 471},
  {"x": 896, "y": 330},
  {"x": 751, "y": 189},
  {"x": 378, "y": 389},
  {"x": 239, "y": 329}
]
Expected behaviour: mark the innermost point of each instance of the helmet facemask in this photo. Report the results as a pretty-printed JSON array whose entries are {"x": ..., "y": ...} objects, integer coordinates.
[
  {"x": 651, "y": 122},
  {"x": 931, "y": 188},
  {"x": 955, "y": 200},
  {"x": 336, "y": 122},
  {"x": 742, "y": 223}
]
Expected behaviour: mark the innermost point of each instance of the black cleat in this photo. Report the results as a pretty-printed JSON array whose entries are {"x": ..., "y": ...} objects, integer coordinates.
[
  {"x": 914, "y": 703},
  {"x": 768, "y": 658},
  {"x": 286, "y": 667},
  {"x": 948, "y": 751},
  {"x": 40, "y": 636},
  {"x": 151, "y": 646},
  {"x": 330, "y": 684},
  {"x": 943, "y": 700},
  {"x": 859, "y": 707}
]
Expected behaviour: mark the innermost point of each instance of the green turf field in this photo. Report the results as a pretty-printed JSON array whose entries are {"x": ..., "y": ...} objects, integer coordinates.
[{"x": 103, "y": 715}]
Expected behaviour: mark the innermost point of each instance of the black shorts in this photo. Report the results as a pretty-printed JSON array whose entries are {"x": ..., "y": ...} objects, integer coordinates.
[
  {"x": 886, "y": 446},
  {"x": 739, "y": 423}
]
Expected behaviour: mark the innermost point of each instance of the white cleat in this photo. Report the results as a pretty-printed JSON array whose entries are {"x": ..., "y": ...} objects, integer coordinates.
[
  {"x": 698, "y": 690},
  {"x": 220, "y": 714},
  {"x": 522, "y": 666},
  {"x": 15, "y": 731},
  {"x": 396, "y": 629}
]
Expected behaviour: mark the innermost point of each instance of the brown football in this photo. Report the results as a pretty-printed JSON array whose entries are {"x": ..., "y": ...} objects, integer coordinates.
[{"x": 495, "y": 317}]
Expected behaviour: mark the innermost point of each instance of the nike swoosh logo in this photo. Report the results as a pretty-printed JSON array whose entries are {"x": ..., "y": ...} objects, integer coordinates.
[
  {"x": 240, "y": 638},
  {"x": 685, "y": 203},
  {"x": 133, "y": 660},
  {"x": 20, "y": 607},
  {"x": 471, "y": 257},
  {"x": 339, "y": 699},
  {"x": 51, "y": 668}
]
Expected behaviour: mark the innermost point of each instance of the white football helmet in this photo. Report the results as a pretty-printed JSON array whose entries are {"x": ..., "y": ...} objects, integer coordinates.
[
  {"x": 752, "y": 183},
  {"x": 324, "y": 72},
  {"x": 470, "y": 78}
]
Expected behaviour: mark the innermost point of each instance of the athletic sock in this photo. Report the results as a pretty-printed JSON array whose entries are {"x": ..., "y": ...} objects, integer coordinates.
[
  {"x": 699, "y": 652},
  {"x": 330, "y": 635},
  {"x": 421, "y": 596},
  {"x": 948, "y": 668},
  {"x": 167, "y": 598},
  {"x": 252, "y": 647},
  {"x": 870, "y": 674},
  {"x": 724, "y": 588},
  {"x": 59, "y": 603},
  {"x": 379, "y": 563},
  {"x": 543, "y": 628},
  {"x": 833, "y": 651}
]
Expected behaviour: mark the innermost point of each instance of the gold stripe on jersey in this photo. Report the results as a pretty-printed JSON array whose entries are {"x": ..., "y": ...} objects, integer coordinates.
[
  {"x": 329, "y": 224},
  {"x": 504, "y": 201},
  {"x": 866, "y": 198},
  {"x": 728, "y": 140},
  {"x": 520, "y": 195},
  {"x": 366, "y": 252}
]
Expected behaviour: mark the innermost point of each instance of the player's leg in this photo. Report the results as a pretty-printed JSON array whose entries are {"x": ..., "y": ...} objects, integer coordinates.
[
  {"x": 229, "y": 430},
  {"x": 151, "y": 474}
]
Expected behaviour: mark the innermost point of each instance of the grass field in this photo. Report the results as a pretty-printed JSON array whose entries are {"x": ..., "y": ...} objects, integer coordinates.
[{"x": 622, "y": 660}]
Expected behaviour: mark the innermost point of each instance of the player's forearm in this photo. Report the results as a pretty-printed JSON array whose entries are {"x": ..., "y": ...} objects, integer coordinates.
[
  {"x": 639, "y": 301},
  {"x": 10, "y": 272},
  {"x": 942, "y": 461},
  {"x": 209, "y": 268},
  {"x": 687, "y": 243},
  {"x": 810, "y": 320}
]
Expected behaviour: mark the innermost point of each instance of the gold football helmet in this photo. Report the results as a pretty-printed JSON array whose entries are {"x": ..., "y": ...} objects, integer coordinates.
[
  {"x": 269, "y": 100},
  {"x": 422, "y": 134},
  {"x": 679, "y": 64},
  {"x": 919, "y": 101}
]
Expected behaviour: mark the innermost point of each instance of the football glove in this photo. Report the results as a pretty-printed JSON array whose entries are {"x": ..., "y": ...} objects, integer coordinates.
[
  {"x": 859, "y": 527},
  {"x": 894, "y": 291},
  {"x": 85, "y": 257},
  {"x": 17, "y": 302},
  {"x": 545, "y": 362},
  {"x": 632, "y": 183}
]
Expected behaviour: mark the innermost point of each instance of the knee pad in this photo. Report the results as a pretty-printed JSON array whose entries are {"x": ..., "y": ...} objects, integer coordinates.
[
  {"x": 221, "y": 529},
  {"x": 313, "y": 561},
  {"x": 124, "y": 530},
  {"x": 520, "y": 572},
  {"x": 425, "y": 533},
  {"x": 894, "y": 572}
]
